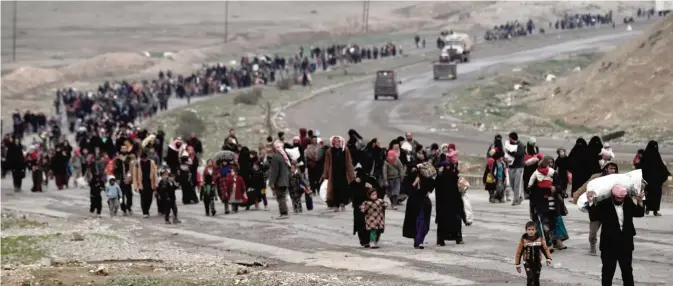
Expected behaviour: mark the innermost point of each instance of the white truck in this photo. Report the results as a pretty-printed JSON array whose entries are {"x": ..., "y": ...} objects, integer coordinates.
[
  {"x": 663, "y": 6},
  {"x": 457, "y": 47}
]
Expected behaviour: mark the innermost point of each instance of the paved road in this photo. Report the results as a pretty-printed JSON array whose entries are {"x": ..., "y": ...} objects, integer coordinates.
[
  {"x": 354, "y": 106},
  {"x": 322, "y": 240}
]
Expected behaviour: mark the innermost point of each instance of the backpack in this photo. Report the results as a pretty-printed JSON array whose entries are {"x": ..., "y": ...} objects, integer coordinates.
[{"x": 427, "y": 170}]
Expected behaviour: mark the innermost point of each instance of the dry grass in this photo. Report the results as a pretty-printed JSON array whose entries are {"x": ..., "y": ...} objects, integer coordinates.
[
  {"x": 628, "y": 89},
  {"x": 485, "y": 100}
]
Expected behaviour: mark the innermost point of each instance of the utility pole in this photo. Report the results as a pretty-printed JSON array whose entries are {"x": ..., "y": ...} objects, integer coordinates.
[
  {"x": 365, "y": 16},
  {"x": 14, "y": 32},
  {"x": 226, "y": 21}
]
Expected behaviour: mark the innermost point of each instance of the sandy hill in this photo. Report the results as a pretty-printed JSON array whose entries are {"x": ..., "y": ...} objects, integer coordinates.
[{"x": 630, "y": 88}]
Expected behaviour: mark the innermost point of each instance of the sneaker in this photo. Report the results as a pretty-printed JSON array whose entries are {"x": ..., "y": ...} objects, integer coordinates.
[
  {"x": 516, "y": 203},
  {"x": 283, "y": 216},
  {"x": 177, "y": 221},
  {"x": 657, "y": 214},
  {"x": 419, "y": 247},
  {"x": 592, "y": 249},
  {"x": 146, "y": 216}
]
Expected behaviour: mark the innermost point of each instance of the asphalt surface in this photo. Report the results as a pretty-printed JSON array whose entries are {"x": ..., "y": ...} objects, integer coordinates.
[{"x": 353, "y": 106}]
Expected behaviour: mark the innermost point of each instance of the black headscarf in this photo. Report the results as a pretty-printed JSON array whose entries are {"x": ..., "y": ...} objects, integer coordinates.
[
  {"x": 655, "y": 171},
  {"x": 593, "y": 158}
]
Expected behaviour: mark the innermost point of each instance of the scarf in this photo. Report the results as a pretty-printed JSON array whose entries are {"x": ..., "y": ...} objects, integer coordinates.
[
  {"x": 279, "y": 147},
  {"x": 339, "y": 139}
]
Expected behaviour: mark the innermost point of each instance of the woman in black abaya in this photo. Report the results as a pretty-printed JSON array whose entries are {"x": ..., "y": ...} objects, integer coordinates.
[
  {"x": 576, "y": 164},
  {"x": 594, "y": 157},
  {"x": 655, "y": 174},
  {"x": 359, "y": 187},
  {"x": 419, "y": 208},
  {"x": 450, "y": 212}
]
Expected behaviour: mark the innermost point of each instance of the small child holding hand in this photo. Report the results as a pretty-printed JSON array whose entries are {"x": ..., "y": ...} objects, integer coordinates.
[{"x": 375, "y": 216}]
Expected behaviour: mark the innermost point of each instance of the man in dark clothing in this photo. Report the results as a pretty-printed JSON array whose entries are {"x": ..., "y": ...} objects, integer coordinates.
[
  {"x": 279, "y": 177},
  {"x": 145, "y": 181},
  {"x": 616, "y": 216},
  {"x": 121, "y": 171}
]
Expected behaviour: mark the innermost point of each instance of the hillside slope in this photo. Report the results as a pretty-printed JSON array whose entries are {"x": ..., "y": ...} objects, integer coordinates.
[{"x": 630, "y": 88}]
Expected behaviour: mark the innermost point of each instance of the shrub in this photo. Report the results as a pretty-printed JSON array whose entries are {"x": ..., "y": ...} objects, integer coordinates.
[
  {"x": 189, "y": 122},
  {"x": 249, "y": 97},
  {"x": 284, "y": 84}
]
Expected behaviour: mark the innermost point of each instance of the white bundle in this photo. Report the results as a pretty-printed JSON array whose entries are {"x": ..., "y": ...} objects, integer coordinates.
[
  {"x": 323, "y": 190},
  {"x": 293, "y": 153},
  {"x": 602, "y": 187}
]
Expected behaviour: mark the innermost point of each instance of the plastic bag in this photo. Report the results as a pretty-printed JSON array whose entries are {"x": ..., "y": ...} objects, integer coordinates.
[
  {"x": 323, "y": 190},
  {"x": 467, "y": 206},
  {"x": 81, "y": 181}
]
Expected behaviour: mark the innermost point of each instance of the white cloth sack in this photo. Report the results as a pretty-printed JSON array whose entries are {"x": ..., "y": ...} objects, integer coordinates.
[
  {"x": 602, "y": 187},
  {"x": 293, "y": 154},
  {"x": 81, "y": 181},
  {"x": 467, "y": 206},
  {"x": 323, "y": 191},
  {"x": 511, "y": 148}
]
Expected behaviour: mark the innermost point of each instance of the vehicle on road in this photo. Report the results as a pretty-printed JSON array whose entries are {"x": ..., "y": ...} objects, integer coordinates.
[
  {"x": 456, "y": 46},
  {"x": 385, "y": 84},
  {"x": 444, "y": 68}
]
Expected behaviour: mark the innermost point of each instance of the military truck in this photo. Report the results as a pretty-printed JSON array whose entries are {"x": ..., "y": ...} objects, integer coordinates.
[
  {"x": 444, "y": 69},
  {"x": 385, "y": 84}
]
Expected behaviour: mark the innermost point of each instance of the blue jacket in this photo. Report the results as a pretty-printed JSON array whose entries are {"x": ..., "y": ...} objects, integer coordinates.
[{"x": 113, "y": 191}]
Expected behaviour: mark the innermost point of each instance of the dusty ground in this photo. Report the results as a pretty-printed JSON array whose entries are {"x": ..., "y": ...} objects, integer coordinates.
[
  {"x": 628, "y": 89},
  {"x": 43, "y": 250}
]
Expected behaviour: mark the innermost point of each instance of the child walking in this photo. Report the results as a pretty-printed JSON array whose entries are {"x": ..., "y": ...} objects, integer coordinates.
[
  {"x": 114, "y": 195},
  {"x": 297, "y": 189},
  {"x": 96, "y": 186},
  {"x": 166, "y": 193},
  {"x": 209, "y": 188},
  {"x": 375, "y": 217},
  {"x": 530, "y": 249}
]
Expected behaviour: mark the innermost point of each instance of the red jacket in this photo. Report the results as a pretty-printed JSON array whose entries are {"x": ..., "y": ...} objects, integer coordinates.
[{"x": 227, "y": 189}]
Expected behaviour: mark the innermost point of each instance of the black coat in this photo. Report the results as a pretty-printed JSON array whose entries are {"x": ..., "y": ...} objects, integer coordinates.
[
  {"x": 359, "y": 195},
  {"x": 418, "y": 200},
  {"x": 613, "y": 238},
  {"x": 449, "y": 208}
]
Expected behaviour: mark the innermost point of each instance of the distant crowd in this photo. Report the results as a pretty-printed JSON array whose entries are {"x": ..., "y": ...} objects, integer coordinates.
[{"x": 513, "y": 29}]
